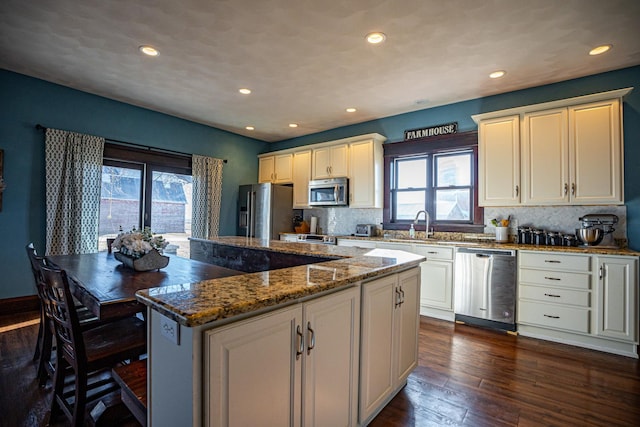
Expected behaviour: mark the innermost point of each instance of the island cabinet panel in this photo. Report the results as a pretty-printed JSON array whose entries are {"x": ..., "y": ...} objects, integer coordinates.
[
  {"x": 292, "y": 367},
  {"x": 389, "y": 339}
]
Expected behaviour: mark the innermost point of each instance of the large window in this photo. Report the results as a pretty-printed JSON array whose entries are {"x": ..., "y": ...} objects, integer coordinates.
[
  {"x": 146, "y": 189},
  {"x": 437, "y": 175}
]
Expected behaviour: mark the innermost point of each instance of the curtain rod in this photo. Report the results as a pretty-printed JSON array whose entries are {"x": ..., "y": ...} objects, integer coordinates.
[{"x": 40, "y": 127}]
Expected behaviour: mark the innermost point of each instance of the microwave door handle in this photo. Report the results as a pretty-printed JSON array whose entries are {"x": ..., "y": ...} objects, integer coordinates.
[{"x": 336, "y": 189}]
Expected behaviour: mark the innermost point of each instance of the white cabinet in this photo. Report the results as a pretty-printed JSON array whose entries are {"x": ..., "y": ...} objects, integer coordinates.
[
  {"x": 330, "y": 161},
  {"x": 564, "y": 152},
  {"x": 545, "y": 157},
  {"x": 276, "y": 169},
  {"x": 289, "y": 237},
  {"x": 295, "y": 366},
  {"x": 389, "y": 338},
  {"x": 579, "y": 299},
  {"x": 436, "y": 277},
  {"x": 499, "y": 161},
  {"x": 366, "y": 174},
  {"x": 365, "y": 244},
  {"x": 617, "y": 301},
  {"x": 596, "y": 153},
  {"x": 301, "y": 177},
  {"x": 573, "y": 155}
]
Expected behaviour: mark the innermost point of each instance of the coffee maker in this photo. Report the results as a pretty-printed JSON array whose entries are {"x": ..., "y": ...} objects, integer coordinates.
[{"x": 597, "y": 229}]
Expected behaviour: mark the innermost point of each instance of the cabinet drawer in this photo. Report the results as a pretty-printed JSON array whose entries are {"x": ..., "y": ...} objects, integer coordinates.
[
  {"x": 555, "y": 261},
  {"x": 434, "y": 252},
  {"x": 555, "y": 295},
  {"x": 555, "y": 278},
  {"x": 554, "y": 316}
]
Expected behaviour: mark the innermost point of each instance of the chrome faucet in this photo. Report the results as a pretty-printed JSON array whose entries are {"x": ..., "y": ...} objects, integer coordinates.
[{"x": 426, "y": 219}]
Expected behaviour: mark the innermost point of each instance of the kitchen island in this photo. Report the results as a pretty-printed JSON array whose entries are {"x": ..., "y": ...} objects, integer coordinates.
[{"x": 283, "y": 347}]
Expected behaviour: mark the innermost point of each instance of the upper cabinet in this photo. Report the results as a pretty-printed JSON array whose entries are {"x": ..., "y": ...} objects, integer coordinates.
[
  {"x": 331, "y": 161},
  {"x": 275, "y": 168},
  {"x": 566, "y": 152},
  {"x": 359, "y": 158},
  {"x": 499, "y": 161},
  {"x": 365, "y": 173}
]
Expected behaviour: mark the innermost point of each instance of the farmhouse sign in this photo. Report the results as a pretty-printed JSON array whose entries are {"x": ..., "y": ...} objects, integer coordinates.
[{"x": 445, "y": 129}]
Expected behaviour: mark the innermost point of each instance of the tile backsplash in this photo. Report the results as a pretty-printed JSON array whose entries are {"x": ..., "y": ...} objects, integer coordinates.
[{"x": 565, "y": 219}]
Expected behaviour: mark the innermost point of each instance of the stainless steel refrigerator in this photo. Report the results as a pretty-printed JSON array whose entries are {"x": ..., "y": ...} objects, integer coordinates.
[{"x": 265, "y": 210}]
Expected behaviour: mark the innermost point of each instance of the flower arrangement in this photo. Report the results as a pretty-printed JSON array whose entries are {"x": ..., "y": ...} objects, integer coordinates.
[{"x": 137, "y": 243}]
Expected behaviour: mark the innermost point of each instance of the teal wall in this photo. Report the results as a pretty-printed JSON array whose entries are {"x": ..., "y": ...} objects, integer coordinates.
[
  {"x": 393, "y": 127},
  {"x": 27, "y": 101}
]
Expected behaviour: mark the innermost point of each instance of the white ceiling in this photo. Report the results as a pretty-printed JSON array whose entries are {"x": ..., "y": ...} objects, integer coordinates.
[{"x": 306, "y": 61}]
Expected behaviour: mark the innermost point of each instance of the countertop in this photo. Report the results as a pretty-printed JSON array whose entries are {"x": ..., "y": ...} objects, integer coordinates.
[
  {"x": 194, "y": 304},
  {"x": 488, "y": 244}
]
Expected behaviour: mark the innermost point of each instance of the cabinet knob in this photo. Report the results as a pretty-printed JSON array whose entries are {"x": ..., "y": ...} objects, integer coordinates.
[
  {"x": 573, "y": 189},
  {"x": 566, "y": 188},
  {"x": 300, "y": 349},
  {"x": 517, "y": 190},
  {"x": 312, "y": 338}
]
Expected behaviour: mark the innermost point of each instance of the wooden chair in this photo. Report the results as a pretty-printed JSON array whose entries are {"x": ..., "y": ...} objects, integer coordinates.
[
  {"x": 85, "y": 352},
  {"x": 44, "y": 343}
]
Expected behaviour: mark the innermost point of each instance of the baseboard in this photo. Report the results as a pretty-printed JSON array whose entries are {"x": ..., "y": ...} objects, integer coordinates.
[{"x": 19, "y": 304}]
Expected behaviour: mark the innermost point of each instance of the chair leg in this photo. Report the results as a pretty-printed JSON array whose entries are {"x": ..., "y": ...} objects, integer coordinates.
[
  {"x": 45, "y": 356},
  {"x": 58, "y": 387},
  {"x": 41, "y": 327},
  {"x": 80, "y": 399}
]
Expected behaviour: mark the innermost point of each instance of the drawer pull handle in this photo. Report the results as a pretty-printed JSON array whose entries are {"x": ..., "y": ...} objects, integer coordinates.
[
  {"x": 552, "y": 261},
  {"x": 551, "y": 278},
  {"x": 552, "y": 295},
  {"x": 432, "y": 252},
  {"x": 551, "y": 317}
]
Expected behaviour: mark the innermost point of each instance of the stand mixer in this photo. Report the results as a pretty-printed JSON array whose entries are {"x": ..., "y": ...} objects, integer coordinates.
[{"x": 597, "y": 229}]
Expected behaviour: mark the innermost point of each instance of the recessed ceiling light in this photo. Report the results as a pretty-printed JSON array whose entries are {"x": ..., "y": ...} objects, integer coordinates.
[
  {"x": 149, "y": 50},
  {"x": 351, "y": 110},
  {"x": 599, "y": 49},
  {"x": 293, "y": 125},
  {"x": 497, "y": 74},
  {"x": 376, "y": 37},
  {"x": 249, "y": 128},
  {"x": 244, "y": 91}
]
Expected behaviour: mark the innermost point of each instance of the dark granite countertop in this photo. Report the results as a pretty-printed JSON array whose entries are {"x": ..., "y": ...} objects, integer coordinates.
[{"x": 194, "y": 304}]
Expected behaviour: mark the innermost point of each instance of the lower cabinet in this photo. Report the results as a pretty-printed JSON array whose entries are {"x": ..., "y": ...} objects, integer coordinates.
[
  {"x": 436, "y": 296},
  {"x": 617, "y": 298},
  {"x": 389, "y": 339},
  {"x": 296, "y": 366}
]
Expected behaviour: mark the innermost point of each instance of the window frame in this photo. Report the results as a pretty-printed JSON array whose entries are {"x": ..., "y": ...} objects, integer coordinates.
[
  {"x": 149, "y": 161},
  {"x": 428, "y": 147}
]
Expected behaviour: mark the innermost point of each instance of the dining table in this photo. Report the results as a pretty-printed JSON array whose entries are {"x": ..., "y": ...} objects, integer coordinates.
[{"x": 107, "y": 287}]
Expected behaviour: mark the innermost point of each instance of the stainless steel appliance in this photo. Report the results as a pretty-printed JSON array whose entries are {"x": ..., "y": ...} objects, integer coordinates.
[
  {"x": 329, "y": 192},
  {"x": 597, "y": 229},
  {"x": 485, "y": 287},
  {"x": 365, "y": 230},
  {"x": 316, "y": 238},
  {"x": 265, "y": 210}
]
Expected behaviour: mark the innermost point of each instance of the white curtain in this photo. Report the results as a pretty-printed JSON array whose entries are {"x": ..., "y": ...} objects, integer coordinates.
[
  {"x": 207, "y": 196},
  {"x": 73, "y": 180}
]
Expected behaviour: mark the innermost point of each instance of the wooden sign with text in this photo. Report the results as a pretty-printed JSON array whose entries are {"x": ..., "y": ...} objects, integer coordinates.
[{"x": 444, "y": 129}]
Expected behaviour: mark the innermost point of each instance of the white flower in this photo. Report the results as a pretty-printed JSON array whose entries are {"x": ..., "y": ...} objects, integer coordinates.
[{"x": 137, "y": 243}]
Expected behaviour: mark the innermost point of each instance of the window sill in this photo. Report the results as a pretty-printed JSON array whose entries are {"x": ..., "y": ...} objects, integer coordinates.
[{"x": 454, "y": 228}]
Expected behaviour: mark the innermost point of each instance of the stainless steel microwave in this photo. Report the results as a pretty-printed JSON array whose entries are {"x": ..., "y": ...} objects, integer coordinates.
[{"x": 329, "y": 192}]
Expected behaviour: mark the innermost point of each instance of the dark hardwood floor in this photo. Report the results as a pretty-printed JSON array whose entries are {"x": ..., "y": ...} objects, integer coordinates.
[{"x": 466, "y": 376}]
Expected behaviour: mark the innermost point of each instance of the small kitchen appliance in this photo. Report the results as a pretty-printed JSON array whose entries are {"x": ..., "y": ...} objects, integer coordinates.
[
  {"x": 329, "y": 192},
  {"x": 597, "y": 229},
  {"x": 365, "y": 230}
]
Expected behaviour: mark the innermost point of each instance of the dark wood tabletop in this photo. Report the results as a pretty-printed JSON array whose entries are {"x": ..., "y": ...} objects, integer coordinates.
[{"x": 108, "y": 288}]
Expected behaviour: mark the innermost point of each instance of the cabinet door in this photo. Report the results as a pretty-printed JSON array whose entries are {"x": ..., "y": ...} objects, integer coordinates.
[
  {"x": 499, "y": 161},
  {"x": 332, "y": 327},
  {"x": 283, "y": 169},
  {"x": 365, "y": 174},
  {"x": 266, "y": 169},
  {"x": 617, "y": 298},
  {"x": 251, "y": 373},
  {"x": 545, "y": 158},
  {"x": 301, "y": 177},
  {"x": 376, "y": 360},
  {"x": 339, "y": 160},
  {"x": 596, "y": 148},
  {"x": 321, "y": 163},
  {"x": 436, "y": 284},
  {"x": 407, "y": 325}
]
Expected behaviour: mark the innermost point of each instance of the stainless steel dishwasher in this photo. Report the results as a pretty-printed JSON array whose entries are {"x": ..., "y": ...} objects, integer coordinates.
[{"x": 485, "y": 287}]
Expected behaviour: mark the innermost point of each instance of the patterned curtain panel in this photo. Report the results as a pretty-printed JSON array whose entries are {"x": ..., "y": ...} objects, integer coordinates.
[
  {"x": 73, "y": 179},
  {"x": 207, "y": 195}
]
